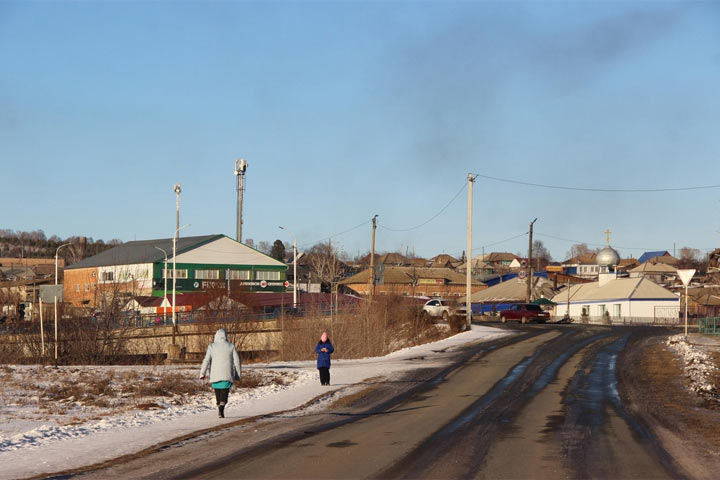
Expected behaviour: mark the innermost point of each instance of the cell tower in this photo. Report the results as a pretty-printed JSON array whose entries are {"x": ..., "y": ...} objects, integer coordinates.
[{"x": 240, "y": 167}]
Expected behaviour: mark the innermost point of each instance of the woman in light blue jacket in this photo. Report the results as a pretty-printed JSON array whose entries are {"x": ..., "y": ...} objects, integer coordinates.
[{"x": 223, "y": 362}]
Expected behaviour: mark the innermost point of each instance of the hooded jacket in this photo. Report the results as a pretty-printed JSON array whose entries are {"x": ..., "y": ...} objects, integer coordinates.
[{"x": 221, "y": 359}]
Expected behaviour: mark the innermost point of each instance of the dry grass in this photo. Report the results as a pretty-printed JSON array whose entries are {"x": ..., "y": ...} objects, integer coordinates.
[
  {"x": 390, "y": 323},
  {"x": 257, "y": 379},
  {"x": 652, "y": 379},
  {"x": 164, "y": 385}
]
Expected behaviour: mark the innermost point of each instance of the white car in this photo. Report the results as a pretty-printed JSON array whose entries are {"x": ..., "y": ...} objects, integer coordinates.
[{"x": 437, "y": 308}]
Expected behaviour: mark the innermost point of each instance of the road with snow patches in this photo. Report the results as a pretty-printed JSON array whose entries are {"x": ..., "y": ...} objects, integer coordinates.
[{"x": 540, "y": 404}]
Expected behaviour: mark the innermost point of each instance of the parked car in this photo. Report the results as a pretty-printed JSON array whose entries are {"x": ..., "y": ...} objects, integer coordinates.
[
  {"x": 524, "y": 312},
  {"x": 438, "y": 308}
]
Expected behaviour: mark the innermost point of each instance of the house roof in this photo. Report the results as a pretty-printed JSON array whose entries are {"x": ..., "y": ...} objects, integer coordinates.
[
  {"x": 391, "y": 259},
  {"x": 404, "y": 275},
  {"x": 654, "y": 268},
  {"x": 143, "y": 251},
  {"x": 513, "y": 290},
  {"x": 659, "y": 256},
  {"x": 637, "y": 288},
  {"x": 500, "y": 257},
  {"x": 188, "y": 249},
  {"x": 584, "y": 259}
]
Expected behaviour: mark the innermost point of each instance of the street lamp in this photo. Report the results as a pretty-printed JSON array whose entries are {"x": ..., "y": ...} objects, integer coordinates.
[
  {"x": 174, "y": 313},
  {"x": 165, "y": 291},
  {"x": 57, "y": 251},
  {"x": 294, "y": 266}
]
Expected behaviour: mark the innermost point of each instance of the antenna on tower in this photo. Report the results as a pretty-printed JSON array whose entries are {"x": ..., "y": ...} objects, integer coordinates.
[{"x": 240, "y": 168}]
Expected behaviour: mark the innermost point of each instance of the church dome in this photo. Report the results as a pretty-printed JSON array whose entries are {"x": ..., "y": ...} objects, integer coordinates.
[{"x": 607, "y": 257}]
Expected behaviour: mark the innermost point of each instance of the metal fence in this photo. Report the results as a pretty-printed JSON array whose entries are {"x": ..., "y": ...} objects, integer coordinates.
[
  {"x": 621, "y": 321},
  {"x": 709, "y": 326}
]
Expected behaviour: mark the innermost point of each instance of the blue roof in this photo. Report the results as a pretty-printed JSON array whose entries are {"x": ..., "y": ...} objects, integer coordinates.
[{"x": 649, "y": 255}]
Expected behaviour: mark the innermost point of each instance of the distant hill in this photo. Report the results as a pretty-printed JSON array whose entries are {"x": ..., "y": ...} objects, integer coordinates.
[{"x": 36, "y": 245}]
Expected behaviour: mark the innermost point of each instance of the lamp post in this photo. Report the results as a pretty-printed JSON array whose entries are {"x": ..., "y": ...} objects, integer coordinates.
[
  {"x": 165, "y": 291},
  {"x": 57, "y": 251},
  {"x": 294, "y": 267},
  {"x": 177, "y": 189},
  {"x": 174, "y": 312}
]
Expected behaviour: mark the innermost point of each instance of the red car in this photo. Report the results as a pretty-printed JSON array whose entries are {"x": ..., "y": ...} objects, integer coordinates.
[{"x": 524, "y": 312}]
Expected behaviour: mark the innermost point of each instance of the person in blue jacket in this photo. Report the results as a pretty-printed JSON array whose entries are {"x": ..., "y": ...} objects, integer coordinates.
[{"x": 323, "y": 349}]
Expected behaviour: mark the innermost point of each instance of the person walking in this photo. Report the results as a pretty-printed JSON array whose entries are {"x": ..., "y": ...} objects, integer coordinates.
[
  {"x": 324, "y": 348},
  {"x": 223, "y": 363}
]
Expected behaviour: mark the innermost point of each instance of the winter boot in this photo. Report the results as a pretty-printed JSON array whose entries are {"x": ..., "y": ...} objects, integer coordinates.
[{"x": 221, "y": 410}]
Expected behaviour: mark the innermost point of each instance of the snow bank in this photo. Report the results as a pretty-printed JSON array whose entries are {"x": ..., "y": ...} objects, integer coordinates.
[{"x": 699, "y": 367}]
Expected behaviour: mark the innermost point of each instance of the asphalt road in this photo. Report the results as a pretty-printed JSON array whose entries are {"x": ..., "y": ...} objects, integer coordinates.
[{"x": 541, "y": 404}]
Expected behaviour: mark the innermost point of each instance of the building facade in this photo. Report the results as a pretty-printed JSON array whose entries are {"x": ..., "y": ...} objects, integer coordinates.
[{"x": 205, "y": 263}]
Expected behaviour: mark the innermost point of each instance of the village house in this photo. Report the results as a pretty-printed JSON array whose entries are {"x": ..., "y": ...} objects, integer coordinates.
[{"x": 412, "y": 281}]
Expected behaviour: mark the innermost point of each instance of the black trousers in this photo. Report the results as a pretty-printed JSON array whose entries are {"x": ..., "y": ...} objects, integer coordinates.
[
  {"x": 324, "y": 375},
  {"x": 221, "y": 395}
]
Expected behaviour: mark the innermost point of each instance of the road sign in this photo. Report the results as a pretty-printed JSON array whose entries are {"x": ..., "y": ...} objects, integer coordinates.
[
  {"x": 287, "y": 284},
  {"x": 263, "y": 284},
  {"x": 522, "y": 274},
  {"x": 686, "y": 275}
]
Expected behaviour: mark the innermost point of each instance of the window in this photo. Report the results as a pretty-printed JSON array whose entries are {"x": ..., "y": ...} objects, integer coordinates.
[
  {"x": 262, "y": 275},
  {"x": 239, "y": 274},
  {"x": 180, "y": 273},
  {"x": 77, "y": 287},
  {"x": 87, "y": 286},
  {"x": 601, "y": 310},
  {"x": 207, "y": 274},
  {"x": 617, "y": 310},
  {"x": 107, "y": 277}
]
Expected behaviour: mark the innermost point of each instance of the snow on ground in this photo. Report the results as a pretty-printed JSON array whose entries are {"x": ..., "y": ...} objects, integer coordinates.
[
  {"x": 699, "y": 366},
  {"x": 41, "y": 434}
]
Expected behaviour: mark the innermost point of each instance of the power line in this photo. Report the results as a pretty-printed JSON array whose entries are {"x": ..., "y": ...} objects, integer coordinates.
[
  {"x": 608, "y": 190},
  {"x": 644, "y": 249},
  {"x": 501, "y": 241},
  {"x": 431, "y": 218},
  {"x": 337, "y": 234}
]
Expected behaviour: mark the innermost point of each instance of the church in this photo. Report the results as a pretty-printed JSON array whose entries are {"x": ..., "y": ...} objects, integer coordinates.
[{"x": 616, "y": 299}]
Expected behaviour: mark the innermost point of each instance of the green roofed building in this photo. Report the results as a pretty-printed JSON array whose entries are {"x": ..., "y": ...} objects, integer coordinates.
[{"x": 203, "y": 263}]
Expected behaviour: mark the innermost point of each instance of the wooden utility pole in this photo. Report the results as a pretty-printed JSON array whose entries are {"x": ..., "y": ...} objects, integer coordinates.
[
  {"x": 529, "y": 265},
  {"x": 468, "y": 270},
  {"x": 371, "y": 281}
]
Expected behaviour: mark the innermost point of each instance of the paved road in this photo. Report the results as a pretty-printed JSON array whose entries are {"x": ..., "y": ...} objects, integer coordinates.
[{"x": 543, "y": 403}]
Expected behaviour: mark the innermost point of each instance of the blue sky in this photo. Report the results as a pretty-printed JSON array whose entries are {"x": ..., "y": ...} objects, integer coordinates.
[{"x": 345, "y": 110}]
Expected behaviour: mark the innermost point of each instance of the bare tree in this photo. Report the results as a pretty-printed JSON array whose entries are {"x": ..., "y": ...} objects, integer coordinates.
[
  {"x": 690, "y": 258},
  {"x": 578, "y": 250},
  {"x": 541, "y": 255}
]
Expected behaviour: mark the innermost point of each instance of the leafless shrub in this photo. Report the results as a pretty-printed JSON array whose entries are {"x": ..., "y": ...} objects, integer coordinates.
[{"x": 362, "y": 331}]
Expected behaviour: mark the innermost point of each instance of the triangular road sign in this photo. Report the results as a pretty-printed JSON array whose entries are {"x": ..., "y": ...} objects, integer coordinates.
[{"x": 686, "y": 275}]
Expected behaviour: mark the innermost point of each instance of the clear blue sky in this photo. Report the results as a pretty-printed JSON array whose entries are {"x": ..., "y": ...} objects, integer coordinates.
[{"x": 345, "y": 110}]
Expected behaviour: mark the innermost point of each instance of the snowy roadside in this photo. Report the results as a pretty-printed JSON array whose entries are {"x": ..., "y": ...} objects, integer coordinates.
[
  {"x": 698, "y": 366},
  {"x": 41, "y": 435}
]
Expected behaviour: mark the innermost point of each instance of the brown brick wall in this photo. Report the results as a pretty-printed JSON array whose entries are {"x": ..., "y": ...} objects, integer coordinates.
[{"x": 79, "y": 286}]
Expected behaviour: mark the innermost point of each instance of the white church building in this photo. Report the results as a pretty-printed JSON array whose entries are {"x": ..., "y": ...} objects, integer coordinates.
[{"x": 620, "y": 300}]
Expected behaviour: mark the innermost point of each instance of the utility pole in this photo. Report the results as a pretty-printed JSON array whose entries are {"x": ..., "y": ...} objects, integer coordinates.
[
  {"x": 371, "y": 281},
  {"x": 240, "y": 167},
  {"x": 468, "y": 270},
  {"x": 529, "y": 264}
]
